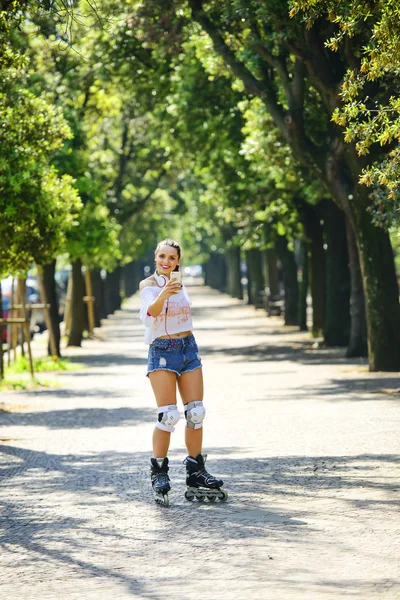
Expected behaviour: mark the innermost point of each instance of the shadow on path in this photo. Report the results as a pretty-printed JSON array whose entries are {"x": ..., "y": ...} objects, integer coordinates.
[
  {"x": 118, "y": 482},
  {"x": 297, "y": 351},
  {"x": 78, "y": 418},
  {"x": 108, "y": 359}
]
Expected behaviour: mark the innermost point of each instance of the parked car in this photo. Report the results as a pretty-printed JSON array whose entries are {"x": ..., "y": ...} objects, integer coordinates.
[
  {"x": 37, "y": 316},
  {"x": 6, "y": 306}
]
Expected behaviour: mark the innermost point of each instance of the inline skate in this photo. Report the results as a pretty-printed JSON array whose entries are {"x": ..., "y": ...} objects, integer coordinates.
[
  {"x": 160, "y": 480},
  {"x": 200, "y": 484}
]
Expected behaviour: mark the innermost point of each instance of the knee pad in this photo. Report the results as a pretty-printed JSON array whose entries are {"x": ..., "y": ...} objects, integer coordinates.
[
  {"x": 194, "y": 414},
  {"x": 168, "y": 416}
]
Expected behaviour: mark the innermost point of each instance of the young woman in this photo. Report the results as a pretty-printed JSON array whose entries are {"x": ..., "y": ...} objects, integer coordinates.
[{"x": 173, "y": 363}]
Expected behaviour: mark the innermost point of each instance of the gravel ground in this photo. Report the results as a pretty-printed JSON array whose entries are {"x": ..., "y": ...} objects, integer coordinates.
[{"x": 306, "y": 441}]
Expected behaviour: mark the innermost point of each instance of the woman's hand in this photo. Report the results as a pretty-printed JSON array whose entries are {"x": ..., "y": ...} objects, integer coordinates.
[{"x": 170, "y": 289}]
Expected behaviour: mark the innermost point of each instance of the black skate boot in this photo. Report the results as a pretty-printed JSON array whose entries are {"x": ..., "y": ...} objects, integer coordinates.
[
  {"x": 200, "y": 484},
  {"x": 160, "y": 480}
]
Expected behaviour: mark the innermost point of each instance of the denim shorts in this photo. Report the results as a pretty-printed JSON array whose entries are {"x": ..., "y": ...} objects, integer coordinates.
[{"x": 178, "y": 355}]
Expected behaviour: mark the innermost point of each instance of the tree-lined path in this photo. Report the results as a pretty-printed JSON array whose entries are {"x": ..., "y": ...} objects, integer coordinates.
[{"x": 306, "y": 441}]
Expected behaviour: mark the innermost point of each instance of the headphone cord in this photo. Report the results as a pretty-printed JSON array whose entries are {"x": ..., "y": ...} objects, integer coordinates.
[{"x": 166, "y": 316}]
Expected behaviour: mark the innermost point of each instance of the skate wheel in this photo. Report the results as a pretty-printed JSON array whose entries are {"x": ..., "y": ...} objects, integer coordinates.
[
  {"x": 162, "y": 500},
  {"x": 189, "y": 496},
  {"x": 200, "y": 498},
  {"x": 212, "y": 498},
  {"x": 222, "y": 496}
]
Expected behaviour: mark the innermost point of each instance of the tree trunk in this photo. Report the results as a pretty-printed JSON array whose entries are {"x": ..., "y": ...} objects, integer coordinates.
[
  {"x": 77, "y": 305},
  {"x": 358, "y": 344},
  {"x": 90, "y": 302},
  {"x": 206, "y": 277},
  {"x": 234, "y": 276},
  {"x": 337, "y": 322},
  {"x": 131, "y": 277},
  {"x": 289, "y": 268},
  {"x": 381, "y": 293},
  {"x": 98, "y": 294},
  {"x": 216, "y": 272},
  {"x": 249, "y": 275},
  {"x": 51, "y": 297},
  {"x": 314, "y": 231},
  {"x": 272, "y": 272},
  {"x": 114, "y": 289},
  {"x": 223, "y": 268},
  {"x": 255, "y": 277},
  {"x": 303, "y": 286},
  {"x": 376, "y": 261},
  {"x": 272, "y": 297}
]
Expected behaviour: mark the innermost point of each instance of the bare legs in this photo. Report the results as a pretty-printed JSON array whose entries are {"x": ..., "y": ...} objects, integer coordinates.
[
  {"x": 161, "y": 441},
  {"x": 190, "y": 387},
  {"x": 164, "y": 388}
]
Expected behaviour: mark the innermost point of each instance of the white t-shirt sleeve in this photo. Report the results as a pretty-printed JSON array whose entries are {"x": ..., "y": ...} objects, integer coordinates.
[{"x": 147, "y": 295}]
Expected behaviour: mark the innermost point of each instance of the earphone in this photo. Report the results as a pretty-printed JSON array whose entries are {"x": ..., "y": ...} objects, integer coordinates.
[{"x": 161, "y": 279}]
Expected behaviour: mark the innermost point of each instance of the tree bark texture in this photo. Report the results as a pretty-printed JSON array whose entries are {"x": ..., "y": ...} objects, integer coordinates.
[
  {"x": 338, "y": 321},
  {"x": 234, "y": 276},
  {"x": 98, "y": 294},
  {"x": 77, "y": 305},
  {"x": 206, "y": 277},
  {"x": 291, "y": 286},
  {"x": 303, "y": 286},
  {"x": 50, "y": 290},
  {"x": 381, "y": 294},
  {"x": 271, "y": 269},
  {"x": 132, "y": 274},
  {"x": 358, "y": 344},
  {"x": 216, "y": 271},
  {"x": 314, "y": 231},
  {"x": 249, "y": 275},
  {"x": 255, "y": 276},
  {"x": 113, "y": 287}
]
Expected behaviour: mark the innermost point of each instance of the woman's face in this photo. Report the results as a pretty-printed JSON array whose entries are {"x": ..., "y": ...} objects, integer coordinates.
[{"x": 166, "y": 259}]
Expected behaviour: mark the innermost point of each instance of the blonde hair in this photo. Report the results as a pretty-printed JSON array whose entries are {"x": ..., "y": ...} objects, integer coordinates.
[{"x": 169, "y": 242}]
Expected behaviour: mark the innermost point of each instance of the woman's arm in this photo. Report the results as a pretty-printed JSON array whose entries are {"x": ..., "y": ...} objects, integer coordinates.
[
  {"x": 152, "y": 307},
  {"x": 170, "y": 289}
]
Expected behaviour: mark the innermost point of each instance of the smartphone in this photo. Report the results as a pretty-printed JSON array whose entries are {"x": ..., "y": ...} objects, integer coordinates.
[{"x": 176, "y": 276}]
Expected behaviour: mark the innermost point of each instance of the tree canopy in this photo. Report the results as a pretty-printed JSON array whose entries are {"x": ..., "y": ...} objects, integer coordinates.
[{"x": 219, "y": 123}]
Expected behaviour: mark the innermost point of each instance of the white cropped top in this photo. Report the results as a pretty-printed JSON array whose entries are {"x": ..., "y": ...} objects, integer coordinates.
[{"x": 174, "y": 317}]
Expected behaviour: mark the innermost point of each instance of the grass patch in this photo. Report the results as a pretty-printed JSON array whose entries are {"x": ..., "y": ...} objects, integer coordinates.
[
  {"x": 44, "y": 364},
  {"x": 23, "y": 384}
]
